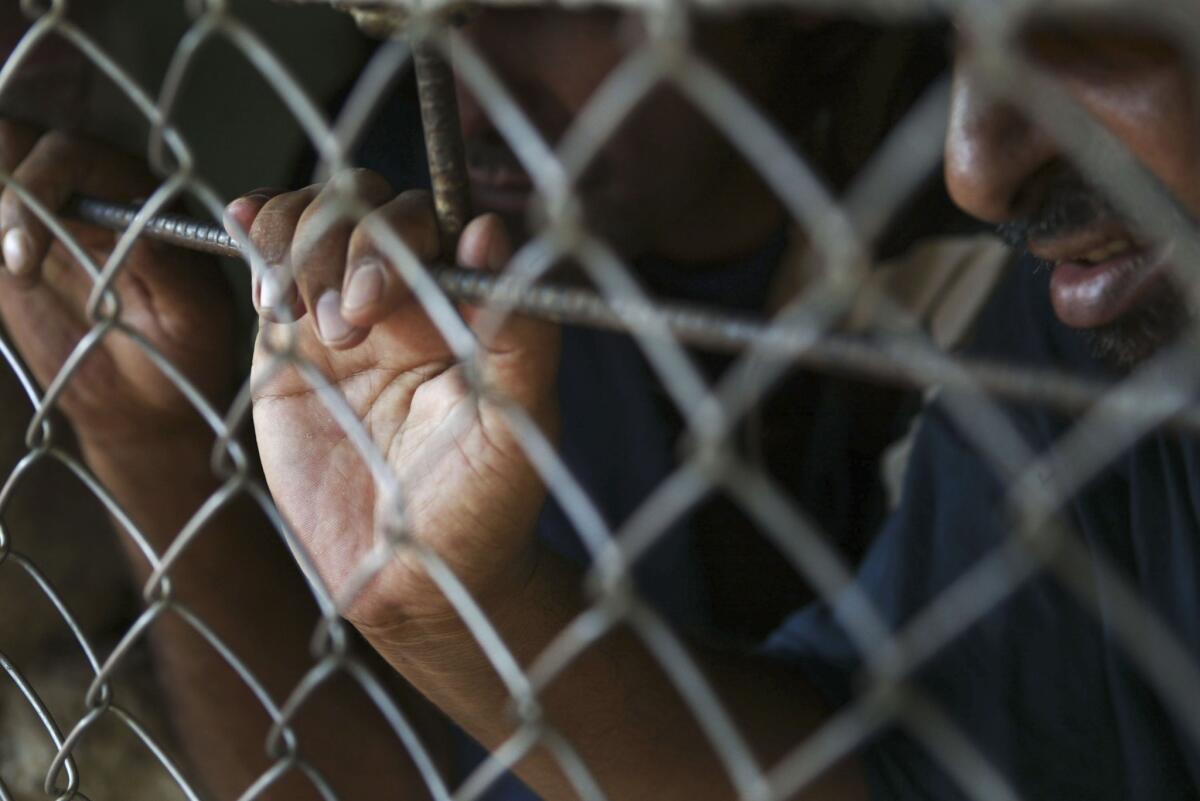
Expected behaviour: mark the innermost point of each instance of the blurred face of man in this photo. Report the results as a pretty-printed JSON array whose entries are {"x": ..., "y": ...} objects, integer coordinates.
[
  {"x": 1108, "y": 278},
  {"x": 663, "y": 182}
]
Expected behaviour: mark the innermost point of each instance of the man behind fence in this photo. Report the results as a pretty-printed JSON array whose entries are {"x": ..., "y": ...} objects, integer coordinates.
[
  {"x": 1049, "y": 695},
  {"x": 705, "y": 228},
  {"x": 1046, "y": 695}
]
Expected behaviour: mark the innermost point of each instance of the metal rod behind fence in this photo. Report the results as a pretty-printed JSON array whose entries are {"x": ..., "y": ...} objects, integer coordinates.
[
  {"x": 439, "y": 106},
  {"x": 443, "y": 142},
  {"x": 895, "y": 361}
]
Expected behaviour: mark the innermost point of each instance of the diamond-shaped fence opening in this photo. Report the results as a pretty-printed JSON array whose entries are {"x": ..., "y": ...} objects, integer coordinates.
[{"x": 534, "y": 503}]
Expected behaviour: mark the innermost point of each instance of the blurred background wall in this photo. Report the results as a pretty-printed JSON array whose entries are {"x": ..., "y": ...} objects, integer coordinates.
[{"x": 242, "y": 133}]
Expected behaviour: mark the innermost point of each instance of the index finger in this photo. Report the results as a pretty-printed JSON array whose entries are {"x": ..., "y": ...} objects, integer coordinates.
[
  {"x": 241, "y": 212},
  {"x": 16, "y": 140},
  {"x": 57, "y": 166}
]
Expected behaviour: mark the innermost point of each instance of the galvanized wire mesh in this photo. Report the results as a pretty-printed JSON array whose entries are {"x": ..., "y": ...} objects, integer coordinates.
[{"x": 842, "y": 234}]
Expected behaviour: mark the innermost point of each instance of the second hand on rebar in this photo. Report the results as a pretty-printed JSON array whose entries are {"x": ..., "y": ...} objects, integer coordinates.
[{"x": 896, "y": 361}]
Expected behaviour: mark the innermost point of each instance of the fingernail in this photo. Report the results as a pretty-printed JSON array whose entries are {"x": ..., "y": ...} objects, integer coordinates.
[
  {"x": 231, "y": 223},
  {"x": 332, "y": 326},
  {"x": 365, "y": 287},
  {"x": 257, "y": 196},
  {"x": 18, "y": 251},
  {"x": 277, "y": 292}
]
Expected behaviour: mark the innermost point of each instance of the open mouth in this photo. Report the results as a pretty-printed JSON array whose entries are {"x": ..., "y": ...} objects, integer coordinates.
[
  {"x": 1114, "y": 249},
  {"x": 1100, "y": 276}
]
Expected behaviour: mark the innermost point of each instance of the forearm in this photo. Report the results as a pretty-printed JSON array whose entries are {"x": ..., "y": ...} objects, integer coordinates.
[
  {"x": 239, "y": 579},
  {"x": 615, "y": 703}
]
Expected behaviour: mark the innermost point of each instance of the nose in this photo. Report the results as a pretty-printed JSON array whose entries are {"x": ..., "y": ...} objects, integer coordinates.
[{"x": 992, "y": 152}]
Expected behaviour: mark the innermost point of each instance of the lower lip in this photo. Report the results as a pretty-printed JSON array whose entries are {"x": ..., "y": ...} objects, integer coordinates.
[{"x": 1093, "y": 295}]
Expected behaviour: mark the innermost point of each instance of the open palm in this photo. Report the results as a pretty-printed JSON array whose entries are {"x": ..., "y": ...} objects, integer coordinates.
[{"x": 465, "y": 488}]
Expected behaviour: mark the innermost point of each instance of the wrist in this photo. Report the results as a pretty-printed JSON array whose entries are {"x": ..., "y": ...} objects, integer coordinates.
[
  {"x": 440, "y": 633},
  {"x": 161, "y": 476},
  {"x": 147, "y": 444}
]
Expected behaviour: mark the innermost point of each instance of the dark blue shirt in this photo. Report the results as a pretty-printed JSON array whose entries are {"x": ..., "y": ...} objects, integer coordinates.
[
  {"x": 620, "y": 439},
  {"x": 1046, "y": 691}
]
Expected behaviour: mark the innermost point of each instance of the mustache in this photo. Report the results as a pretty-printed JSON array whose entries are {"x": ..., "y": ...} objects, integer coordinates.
[{"x": 1067, "y": 205}]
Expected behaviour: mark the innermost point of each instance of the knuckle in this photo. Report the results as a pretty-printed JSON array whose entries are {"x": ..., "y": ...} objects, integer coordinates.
[
  {"x": 61, "y": 142},
  {"x": 409, "y": 218},
  {"x": 271, "y": 232},
  {"x": 419, "y": 200},
  {"x": 319, "y": 243},
  {"x": 11, "y": 206},
  {"x": 361, "y": 244},
  {"x": 59, "y": 136},
  {"x": 53, "y": 166},
  {"x": 317, "y": 266},
  {"x": 366, "y": 244},
  {"x": 416, "y": 218},
  {"x": 372, "y": 184},
  {"x": 328, "y": 210},
  {"x": 338, "y": 206},
  {"x": 358, "y": 180}
]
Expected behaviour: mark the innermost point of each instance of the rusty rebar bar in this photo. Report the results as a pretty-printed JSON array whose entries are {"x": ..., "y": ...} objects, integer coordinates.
[
  {"x": 438, "y": 100},
  {"x": 896, "y": 361},
  {"x": 443, "y": 141}
]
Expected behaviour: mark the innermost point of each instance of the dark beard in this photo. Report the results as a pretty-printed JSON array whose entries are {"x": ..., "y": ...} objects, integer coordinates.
[
  {"x": 1127, "y": 342},
  {"x": 1137, "y": 336},
  {"x": 1069, "y": 204}
]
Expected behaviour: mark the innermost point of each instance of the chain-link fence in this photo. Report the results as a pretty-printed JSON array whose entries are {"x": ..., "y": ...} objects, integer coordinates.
[{"x": 216, "y": 653}]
